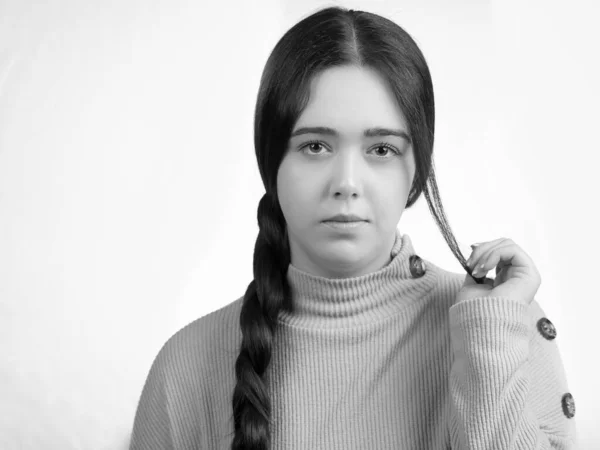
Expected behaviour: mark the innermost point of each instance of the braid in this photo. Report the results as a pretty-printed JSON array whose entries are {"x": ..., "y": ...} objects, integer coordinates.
[{"x": 267, "y": 293}]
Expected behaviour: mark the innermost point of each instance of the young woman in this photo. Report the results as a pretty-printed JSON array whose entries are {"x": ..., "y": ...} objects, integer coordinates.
[{"x": 346, "y": 338}]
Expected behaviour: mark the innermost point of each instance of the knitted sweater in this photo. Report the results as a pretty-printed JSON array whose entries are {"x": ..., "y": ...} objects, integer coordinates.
[{"x": 380, "y": 361}]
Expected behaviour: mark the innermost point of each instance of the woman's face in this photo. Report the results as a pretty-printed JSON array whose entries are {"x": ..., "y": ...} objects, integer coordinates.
[{"x": 345, "y": 173}]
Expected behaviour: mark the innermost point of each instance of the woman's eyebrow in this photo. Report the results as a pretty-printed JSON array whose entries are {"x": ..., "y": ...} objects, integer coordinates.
[{"x": 370, "y": 132}]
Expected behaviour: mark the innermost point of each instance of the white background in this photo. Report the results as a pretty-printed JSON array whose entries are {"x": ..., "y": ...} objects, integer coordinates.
[{"x": 129, "y": 185}]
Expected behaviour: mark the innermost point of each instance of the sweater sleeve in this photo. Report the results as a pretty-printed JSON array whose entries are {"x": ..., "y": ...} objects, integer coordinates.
[
  {"x": 152, "y": 424},
  {"x": 508, "y": 388}
]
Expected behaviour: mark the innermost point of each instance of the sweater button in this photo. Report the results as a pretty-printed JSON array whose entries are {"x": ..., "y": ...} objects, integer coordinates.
[
  {"x": 546, "y": 328},
  {"x": 417, "y": 266},
  {"x": 568, "y": 405}
]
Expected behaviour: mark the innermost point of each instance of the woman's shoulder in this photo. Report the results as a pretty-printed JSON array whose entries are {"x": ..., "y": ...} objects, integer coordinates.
[
  {"x": 220, "y": 321},
  {"x": 445, "y": 279},
  {"x": 444, "y": 284},
  {"x": 210, "y": 336}
]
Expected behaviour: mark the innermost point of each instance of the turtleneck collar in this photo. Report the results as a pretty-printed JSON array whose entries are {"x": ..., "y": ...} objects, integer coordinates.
[{"x": 349, "y": 302}]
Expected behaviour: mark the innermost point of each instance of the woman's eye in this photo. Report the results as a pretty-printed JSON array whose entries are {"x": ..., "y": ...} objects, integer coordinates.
[
  {"x": 311, "y": 145},
  {"x": 387, "y": 149}
]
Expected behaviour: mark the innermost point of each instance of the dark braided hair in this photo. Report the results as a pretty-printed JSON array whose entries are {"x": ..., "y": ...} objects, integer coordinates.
[{"x": 331, "y": 37}]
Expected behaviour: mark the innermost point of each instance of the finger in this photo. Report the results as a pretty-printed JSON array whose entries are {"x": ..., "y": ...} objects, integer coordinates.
[
  {"x": 480, "y": 248},
  {"x": 508, "y": 255},
  {"x": 482, "y": 263},
  {"x": 499, "y": 267},
  {"x": 470, "y": 281}
]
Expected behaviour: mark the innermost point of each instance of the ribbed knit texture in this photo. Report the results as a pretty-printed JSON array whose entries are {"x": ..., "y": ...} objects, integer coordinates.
[{"x": 385, "y": 360}]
